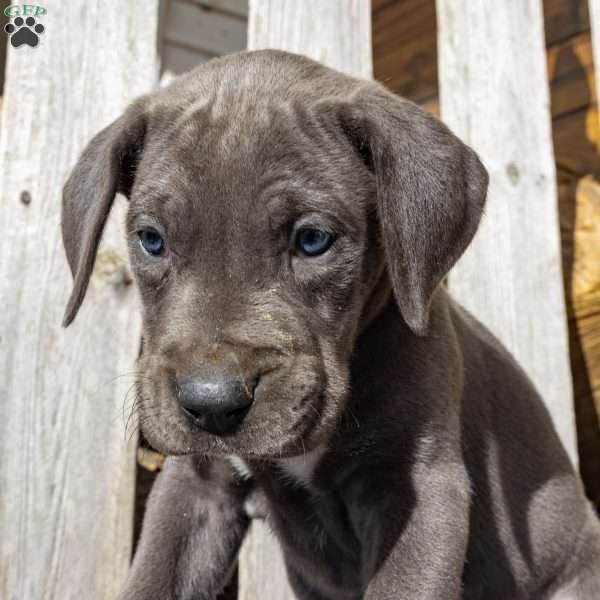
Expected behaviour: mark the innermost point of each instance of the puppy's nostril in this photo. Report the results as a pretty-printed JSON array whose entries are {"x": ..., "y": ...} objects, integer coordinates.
[
  {"x": 216, "y": 400},
  {"x": 191, "y": 412},
  {"x": 237, "y": 412}
]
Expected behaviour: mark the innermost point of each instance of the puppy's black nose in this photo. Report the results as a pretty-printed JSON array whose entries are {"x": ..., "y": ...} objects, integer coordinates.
[{"x": 215, "y": 397}]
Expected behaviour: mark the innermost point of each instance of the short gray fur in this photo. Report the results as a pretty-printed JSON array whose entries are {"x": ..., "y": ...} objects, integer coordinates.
[{"x": 442, "y": 476}]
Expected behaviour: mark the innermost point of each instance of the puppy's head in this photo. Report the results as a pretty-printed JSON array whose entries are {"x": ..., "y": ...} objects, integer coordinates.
[{"x": 272, "y": 204}]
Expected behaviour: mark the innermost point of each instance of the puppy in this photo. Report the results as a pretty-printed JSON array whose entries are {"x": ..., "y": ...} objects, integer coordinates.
[{"x": 288, "y": 229}]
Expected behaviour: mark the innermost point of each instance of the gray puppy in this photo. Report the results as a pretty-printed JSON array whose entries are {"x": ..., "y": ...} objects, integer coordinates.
[{"x": 288, "y": 228}]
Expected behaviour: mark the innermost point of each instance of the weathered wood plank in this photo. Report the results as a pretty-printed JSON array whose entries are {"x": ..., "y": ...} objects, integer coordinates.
[
  {"x": 262, "y": 571},
  {"x": 404, "y": 48},
  {"x": 565, "y": 18},
  {"x": 196, "y": 27},
  {"x": 494, "y": 95},
  {"x": 233, "y": 7},
  {"x": 594, "y": 8},
  {"x": 379, "y": 5},
  {"x": 405, "y": 54},
  {"x": 571, "y": 75},
  {"x": 577, "y": 142},
  {"x": 579, "y": 201},
  {"x": 580, "y": 226},
  {"x": 177, "y": 59},
  {"x": 408, "y": 66},
  {"x": 66, "y": 470},
  {"x": 337, "y": 33}
]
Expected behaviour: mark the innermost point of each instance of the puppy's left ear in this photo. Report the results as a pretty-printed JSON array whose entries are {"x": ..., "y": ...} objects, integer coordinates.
[
  {"x": 431, "y": 190},
  {"x": 107, "y": 166}
]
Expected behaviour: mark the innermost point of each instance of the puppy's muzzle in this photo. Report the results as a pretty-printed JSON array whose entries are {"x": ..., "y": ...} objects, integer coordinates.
[{"x": 215, "y": 397}]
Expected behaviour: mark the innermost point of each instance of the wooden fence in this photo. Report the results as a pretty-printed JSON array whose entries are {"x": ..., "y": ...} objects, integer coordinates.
[{"x": 66, "y": 470}]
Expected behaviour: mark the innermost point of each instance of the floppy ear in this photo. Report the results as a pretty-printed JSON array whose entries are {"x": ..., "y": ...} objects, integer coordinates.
[
  {"x": 431, "y": 190},
  {"x": 107, "y": 166}
]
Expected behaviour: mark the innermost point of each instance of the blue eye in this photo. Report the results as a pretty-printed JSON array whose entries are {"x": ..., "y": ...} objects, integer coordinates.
[
  {"x": 313, "y": 242},
  {"x": 151, "y": 241}
]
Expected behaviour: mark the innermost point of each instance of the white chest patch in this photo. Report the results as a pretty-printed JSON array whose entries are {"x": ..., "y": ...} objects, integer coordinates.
[
  {"x": 241, "y": 467},
  {"x": 300, "y": 469},
  {"x": 567, "y": 592}
]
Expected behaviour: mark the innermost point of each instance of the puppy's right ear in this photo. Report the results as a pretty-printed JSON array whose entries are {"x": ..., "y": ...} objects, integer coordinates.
[{"x": 107, "y": 166}]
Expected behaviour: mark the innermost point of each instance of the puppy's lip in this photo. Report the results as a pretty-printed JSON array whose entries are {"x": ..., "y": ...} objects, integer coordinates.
[
  {"x": 298, "y": 438},
  {"x": 286, "y": 430},
  {"x": 145, "y": 444}
]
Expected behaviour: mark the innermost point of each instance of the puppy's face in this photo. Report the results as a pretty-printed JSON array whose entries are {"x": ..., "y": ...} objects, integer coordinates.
[
  {"x": 252, "y": 247},
  {"x": 268, "y": 195}
]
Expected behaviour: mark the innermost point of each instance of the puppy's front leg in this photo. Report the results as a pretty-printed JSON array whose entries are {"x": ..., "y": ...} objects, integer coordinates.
[
  {"x": 193, "y": 529},
  {"x": 420, "y": 555}
]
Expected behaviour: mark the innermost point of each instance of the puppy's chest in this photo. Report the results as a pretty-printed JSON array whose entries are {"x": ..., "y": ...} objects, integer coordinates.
[{"x": 312, "y": 526}]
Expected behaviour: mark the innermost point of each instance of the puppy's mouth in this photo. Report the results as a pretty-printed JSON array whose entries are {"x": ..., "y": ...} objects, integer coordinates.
[{"x": 274, "y": 424}]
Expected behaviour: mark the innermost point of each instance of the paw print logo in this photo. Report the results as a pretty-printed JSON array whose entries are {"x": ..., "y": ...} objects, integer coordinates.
[{"x": 24, "y": 31}]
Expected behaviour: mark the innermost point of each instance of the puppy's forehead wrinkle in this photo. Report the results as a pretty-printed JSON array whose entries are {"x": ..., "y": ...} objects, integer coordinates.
[
  {"x": 198, "y": 111},
  {"x": 242, "y": 136},
  {"x": 229, "y": 120},
  {"x": 237, "y": 193}
]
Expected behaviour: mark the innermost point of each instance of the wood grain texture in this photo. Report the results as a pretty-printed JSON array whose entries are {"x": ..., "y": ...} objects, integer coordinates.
[
  {"x": 494, "y": 95},
  {"x": 193, "y": 26},
  {"x": 237, "y": 8},
  {"x": 177, "y": 59},
  {"x": 191, "y": 33},
  {"x": 66, "y": 469},
  {"x": 577, "y": 142},
  {"x": 571, "y": 75},
  {"x": 579, "y": 201},
  {"x": 594, "y": 8},
  {"x": 565, "y": 18},
  {"x": 404, "y": 48},
  {"x": 337, "y": 33},
  {"x": 580, "y": 226},
  {"x": 261, "y": 569},
  {"x": 405, "y": 53}
]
